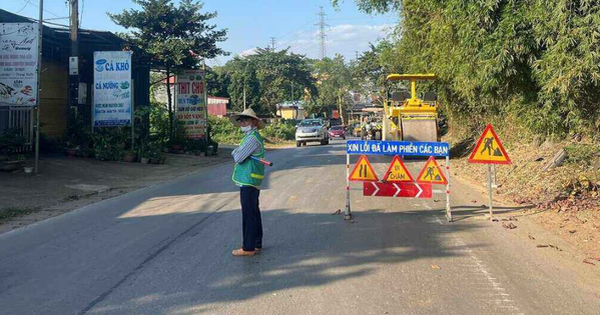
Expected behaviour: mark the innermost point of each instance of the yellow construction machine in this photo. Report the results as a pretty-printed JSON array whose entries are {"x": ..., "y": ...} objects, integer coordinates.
[{"x": 407, "y": 117}]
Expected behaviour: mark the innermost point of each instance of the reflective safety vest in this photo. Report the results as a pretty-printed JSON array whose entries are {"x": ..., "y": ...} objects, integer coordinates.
[{"x": 250, "y": 172}]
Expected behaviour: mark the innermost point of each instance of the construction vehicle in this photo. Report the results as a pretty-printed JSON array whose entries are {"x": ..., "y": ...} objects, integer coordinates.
[{"x": 407, "y": 117}]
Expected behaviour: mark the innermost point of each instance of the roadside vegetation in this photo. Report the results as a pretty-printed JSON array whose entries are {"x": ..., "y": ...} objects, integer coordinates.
[{"x": 532, "y": 69}]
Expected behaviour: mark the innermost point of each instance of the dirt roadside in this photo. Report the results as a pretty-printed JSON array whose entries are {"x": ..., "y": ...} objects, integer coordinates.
[
  {"x": 65, "y": 184},
  {"x": 548, "y": 198}
]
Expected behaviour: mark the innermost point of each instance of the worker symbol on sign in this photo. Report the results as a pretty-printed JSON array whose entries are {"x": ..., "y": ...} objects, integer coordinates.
[
  {"x": 488, "y": 144},
  {"x": 431, "y": 175}
]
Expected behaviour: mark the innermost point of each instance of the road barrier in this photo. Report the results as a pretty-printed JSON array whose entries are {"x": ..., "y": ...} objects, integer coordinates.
[{"x": 398, "y": 182}]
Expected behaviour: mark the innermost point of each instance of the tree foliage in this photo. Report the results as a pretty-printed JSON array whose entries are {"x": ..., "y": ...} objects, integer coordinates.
[
  {"x": 334, "y": 82},
  {"x": 269, "y": 77},
  {"x": 538, "y": 60},
  {"x": 171, "y": 37}
]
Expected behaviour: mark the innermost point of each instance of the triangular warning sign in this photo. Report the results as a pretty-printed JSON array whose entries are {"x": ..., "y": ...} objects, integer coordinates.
[
  {"x": 489, "y": 149},
  {"x": 432, "y": 173},
  {"x": 363, "y": 171},
  {"x": 397, "y": 172}
]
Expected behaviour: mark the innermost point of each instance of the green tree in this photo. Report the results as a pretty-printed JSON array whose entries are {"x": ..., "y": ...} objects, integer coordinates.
[
  {"x": 171, "y": 37},
  {"x": 534, "y": 60},
  {"x": 334, "y": 83},
  {"x": 269, "y": 78}
]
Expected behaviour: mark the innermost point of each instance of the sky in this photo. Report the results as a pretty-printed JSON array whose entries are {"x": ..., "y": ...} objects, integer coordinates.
[{"x": 250, "y": 23}]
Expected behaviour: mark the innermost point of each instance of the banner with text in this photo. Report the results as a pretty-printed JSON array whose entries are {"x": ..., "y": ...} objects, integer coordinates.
[
  {"x": 112, "y": 88},
  {"x": 405, "y": 148},
  {"x": 191, "y": 108},
  {"x": 18, "y": 64}
]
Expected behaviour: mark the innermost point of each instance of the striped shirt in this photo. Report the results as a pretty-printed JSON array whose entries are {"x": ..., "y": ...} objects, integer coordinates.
[{"x": 246, "y": 149}]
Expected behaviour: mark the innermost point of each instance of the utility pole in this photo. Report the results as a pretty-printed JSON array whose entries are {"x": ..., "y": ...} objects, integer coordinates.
[
  {"x": 74, "y": 37},
  {"x": 356, "y": 55},
  {"x": 273, "y": 44},
  {"x": 39, "y": 88},
  {"x": 322, "y": 36}
]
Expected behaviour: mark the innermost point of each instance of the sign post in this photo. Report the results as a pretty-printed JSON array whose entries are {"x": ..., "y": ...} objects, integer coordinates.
[
  {"x": 489, "y": 150},
  {"x": 397, "y": 181}
]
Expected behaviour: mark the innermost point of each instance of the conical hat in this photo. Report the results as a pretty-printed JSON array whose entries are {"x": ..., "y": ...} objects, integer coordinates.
[{"x": 247, "y": 113}]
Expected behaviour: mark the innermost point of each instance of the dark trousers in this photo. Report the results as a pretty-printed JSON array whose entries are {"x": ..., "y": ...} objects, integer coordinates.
[{"x": 251, "y": 220}]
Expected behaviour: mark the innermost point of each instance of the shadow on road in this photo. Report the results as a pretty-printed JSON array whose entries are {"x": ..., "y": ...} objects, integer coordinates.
[
  {"x": 302, "y": 251},
  {"x": 464, "y": 212}
]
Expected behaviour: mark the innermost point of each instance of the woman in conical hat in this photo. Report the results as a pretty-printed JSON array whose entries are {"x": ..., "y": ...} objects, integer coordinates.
[{"x": 248, "y": 174}]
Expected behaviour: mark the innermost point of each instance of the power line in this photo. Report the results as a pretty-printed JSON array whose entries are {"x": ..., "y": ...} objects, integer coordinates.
[
  {"x": 297, "y": 29},
  {"x": 35, "y": 5},
  {"x": 322, "y": 36},
  {"x": 23, "y": 8},
  {"x": 273, "y": 43},
  {"x": 81, "y": 15}
]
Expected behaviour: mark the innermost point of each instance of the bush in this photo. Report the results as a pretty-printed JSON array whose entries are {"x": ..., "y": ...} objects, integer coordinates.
[
  {"x": 283, "y": 130},
  {"x": 109, "y": 144},
  {"x": 224, "y": 131}
]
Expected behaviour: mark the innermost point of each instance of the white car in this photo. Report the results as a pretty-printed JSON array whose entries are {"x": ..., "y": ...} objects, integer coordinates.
[{"x": 311, "y": 130}]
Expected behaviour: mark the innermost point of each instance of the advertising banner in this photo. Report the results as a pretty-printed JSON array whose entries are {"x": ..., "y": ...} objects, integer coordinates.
[
  {"x": 112, "y": 88},
  {"x": 191, "y": 106},
  {"x": 18, "y": 64}
]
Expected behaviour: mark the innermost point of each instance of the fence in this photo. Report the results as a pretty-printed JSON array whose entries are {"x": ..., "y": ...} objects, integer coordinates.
[{"x": 21, "y": 119}]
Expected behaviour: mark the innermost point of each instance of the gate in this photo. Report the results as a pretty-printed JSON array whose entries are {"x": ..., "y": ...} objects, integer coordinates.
[{"x": 21, "y": 119}]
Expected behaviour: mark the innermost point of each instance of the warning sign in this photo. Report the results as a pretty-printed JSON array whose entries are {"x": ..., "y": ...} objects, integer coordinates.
[
  {"x": 363, "y": 171},
  {"x": 432, "y": 173},
  {"x": 397, "y": 172},
  {"x": 489, "y": 150}
]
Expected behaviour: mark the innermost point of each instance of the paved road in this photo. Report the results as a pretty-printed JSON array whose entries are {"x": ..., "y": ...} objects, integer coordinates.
[{"x": 166, "y": 250}]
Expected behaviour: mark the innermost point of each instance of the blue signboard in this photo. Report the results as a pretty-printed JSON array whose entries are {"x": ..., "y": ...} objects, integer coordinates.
[{"x": 437, "y": 149}]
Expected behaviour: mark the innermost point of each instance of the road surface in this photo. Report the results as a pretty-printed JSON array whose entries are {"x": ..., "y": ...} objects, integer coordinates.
[{"x": 166, "y": 250}]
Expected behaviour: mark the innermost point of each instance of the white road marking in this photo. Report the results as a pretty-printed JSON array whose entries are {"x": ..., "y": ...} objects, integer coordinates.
[{"x": 504, "y": 302}]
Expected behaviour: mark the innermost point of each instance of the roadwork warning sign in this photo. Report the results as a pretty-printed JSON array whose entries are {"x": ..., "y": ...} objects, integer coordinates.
[
  {"x": 397, "y": 172},
  {"x": 432, "y": 173},
  {"x": 489, "y": 149},
  {"x": 363, "y": 171}
]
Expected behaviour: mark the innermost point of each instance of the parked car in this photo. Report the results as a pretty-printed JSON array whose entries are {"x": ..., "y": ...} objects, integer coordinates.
[
  {"x": 311, "y": 130},
  {"x": 337, "y": 132}
]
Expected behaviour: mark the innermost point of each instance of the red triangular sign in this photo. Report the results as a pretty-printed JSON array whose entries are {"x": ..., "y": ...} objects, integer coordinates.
[
  {"x": 489, "y": 149},
  {"x": 397, "y": 172},
  {"x": 363, "y": 171},
  {"x": 432, "y": 173}
]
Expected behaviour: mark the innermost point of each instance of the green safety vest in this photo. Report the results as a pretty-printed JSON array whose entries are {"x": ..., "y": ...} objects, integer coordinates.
[{"x": 250, "y": 172}]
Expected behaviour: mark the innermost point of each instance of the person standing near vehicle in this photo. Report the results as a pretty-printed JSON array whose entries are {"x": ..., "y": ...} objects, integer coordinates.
[{"x": 248, "y": 174}]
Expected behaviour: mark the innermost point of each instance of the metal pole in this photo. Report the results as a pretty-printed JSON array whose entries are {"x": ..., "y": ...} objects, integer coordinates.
[
  {"x": 73, "y": 99},
  {"x": 448, "y": 208},
  {"x": 132, "y": 115},
  {"x": 204, "y": 89},
  {"x": 93, "y": 105},
  {"x": 347, "y": 212},
  {"x": 490, "y": 191},
  {"x": 39, "y": 87}
]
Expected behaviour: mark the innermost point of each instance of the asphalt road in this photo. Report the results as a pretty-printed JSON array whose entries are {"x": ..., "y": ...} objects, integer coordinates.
[{"x": 166, "y": 250}]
